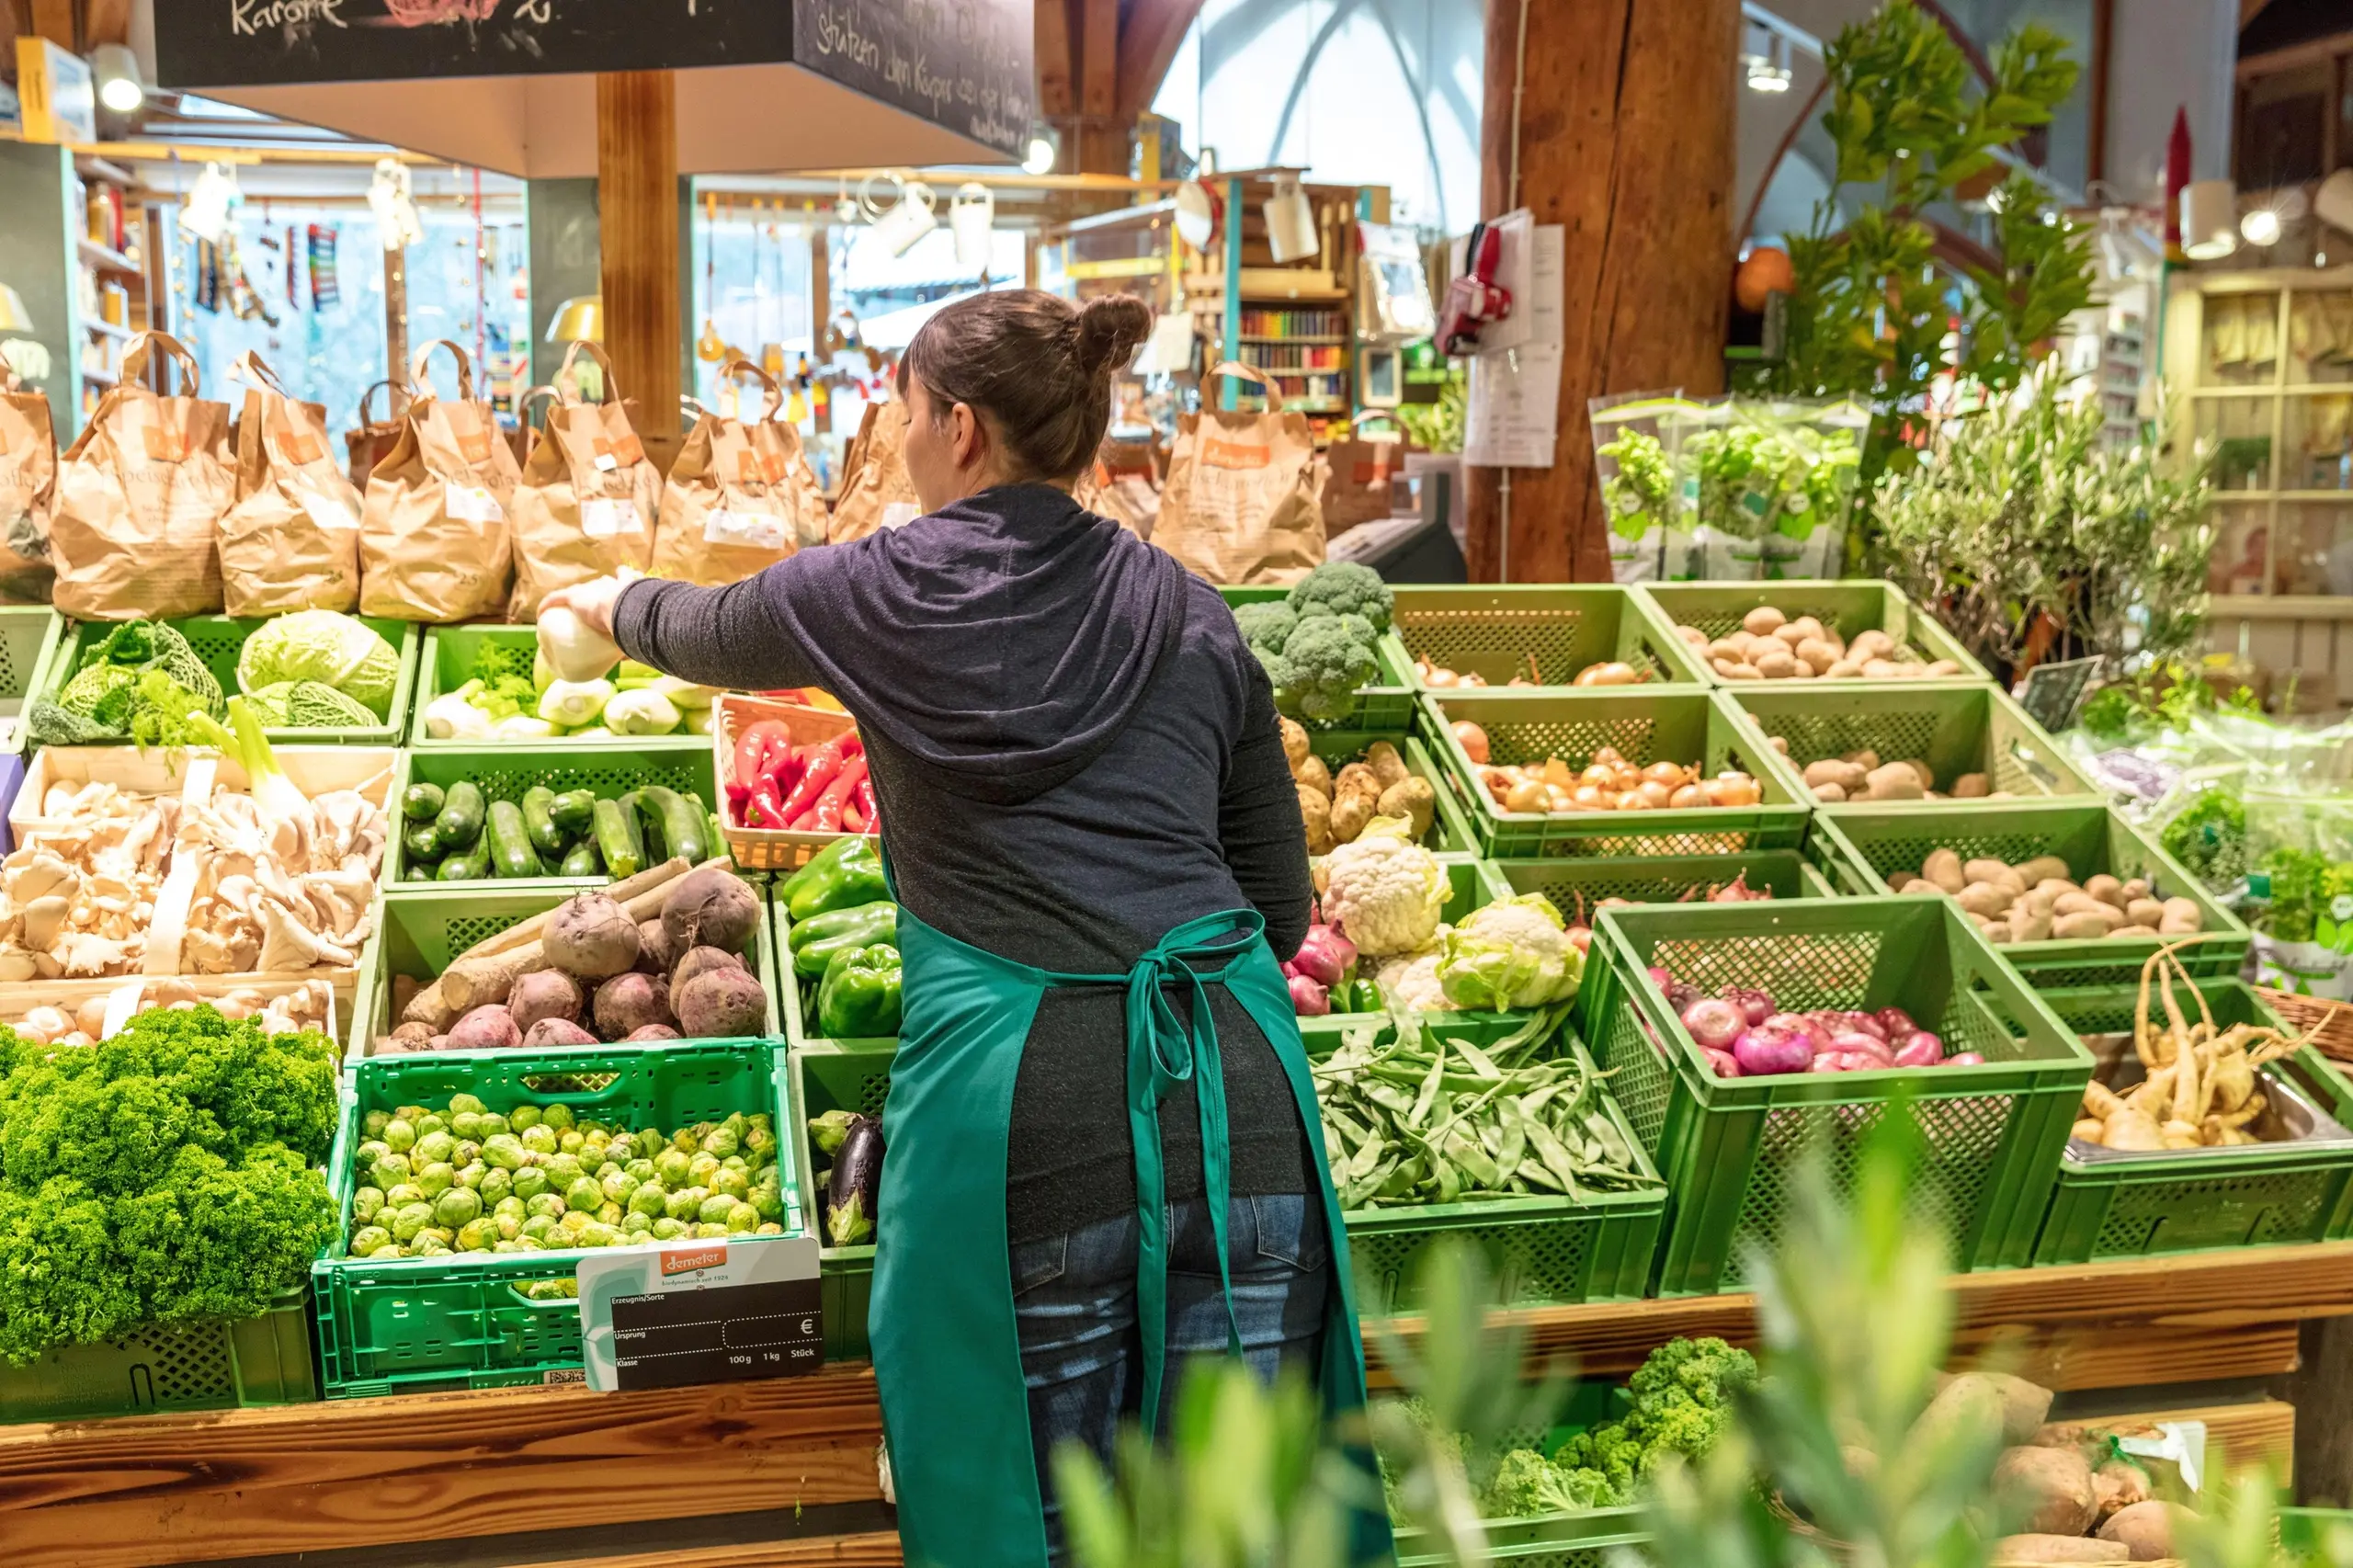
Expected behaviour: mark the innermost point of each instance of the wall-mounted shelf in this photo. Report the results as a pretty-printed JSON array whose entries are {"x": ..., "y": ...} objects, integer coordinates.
[
  {"x": 107, "y": 329},
  {"x": 106, "y": 259}
]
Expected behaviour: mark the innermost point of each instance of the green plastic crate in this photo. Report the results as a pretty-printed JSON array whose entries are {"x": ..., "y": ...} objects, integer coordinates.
[
  {"x": 28, "y": 638},
  {"x": 837, "y": 1075},
  {"x": 447, "y": 663},
  {"x": 2090, "y": 837},
  {"x": 1954, "y": 729},
  {"x": 1850, "y": 607},
  {"x": 1682, "y": 726},
  {"x": 1575, "y": 887},
  {"x": 1492, "y": 631},
  {"x": 218, "y": 639},
  {"x": 1593, "y": 1539},
  {"x": 417, "y": 1324},
  {"x": 1730, "y": 1147},
  {"x": 1450, "y": 830},
  {"x": 2192, "y": 1200},
  {"x": 169, "y": 1367},
  {"x": 419, "y": 931},
  {"x": 505, "y": 772},
  {"x": 1387, "y": 706}
]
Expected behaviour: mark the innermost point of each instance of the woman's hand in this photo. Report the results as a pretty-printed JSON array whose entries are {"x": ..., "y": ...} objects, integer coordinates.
[{"x": 593, "y": 602}]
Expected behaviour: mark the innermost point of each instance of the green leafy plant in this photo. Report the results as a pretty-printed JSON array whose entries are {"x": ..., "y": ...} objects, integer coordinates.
[
  {"x": 1438, "y": 426},
  {"x": 1639, "y": 494}
]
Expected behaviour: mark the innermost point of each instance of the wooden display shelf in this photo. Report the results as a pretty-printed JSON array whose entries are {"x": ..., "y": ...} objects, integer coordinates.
[
  {"x": 107, "y": 329},
  {"x": 107, "y": 259}
]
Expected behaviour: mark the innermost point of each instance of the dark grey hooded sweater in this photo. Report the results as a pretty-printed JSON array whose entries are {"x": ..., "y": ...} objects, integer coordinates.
[{"x": 1074, "y": 752}]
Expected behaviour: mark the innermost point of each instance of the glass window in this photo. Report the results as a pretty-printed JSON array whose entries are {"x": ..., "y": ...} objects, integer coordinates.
[{"x": 752, "y": 289}]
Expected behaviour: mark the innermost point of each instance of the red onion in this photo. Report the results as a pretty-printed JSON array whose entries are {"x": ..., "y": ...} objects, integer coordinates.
[
  {"x": 1864, "y": 1023},
  {"x": 1680, "y": 996},
  {"x": 1854, "y": 1042},
  {"x": 1308, "y": 999},
  {"x": 1963, "y": 1058},
  {"x": 1800, "y": 1025},
  {"x": 1580, "y": 938},
  {"x": 1660, "y": 978},
  {"x": 1326, "y": 957},
  {"x": 1722, "y": 1063},
  {"x": 1922, "y": 1050},
  {"x": 1714, "y": 1024},
  {"x": 1894, "y": 1022},
  {"x": 1839, "y": 1062},
  {"x": 1754, "y": 1005},
  {"x": 1290, "y": 968},
  {"x": 1766, "y": 1049}
]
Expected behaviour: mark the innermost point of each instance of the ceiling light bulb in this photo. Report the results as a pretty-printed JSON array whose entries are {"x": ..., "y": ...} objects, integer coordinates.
[
  {"x": 1045, "y": 146},
  {"x": 2209, "y": 219},
  {"x": 2261, "y": 227}
]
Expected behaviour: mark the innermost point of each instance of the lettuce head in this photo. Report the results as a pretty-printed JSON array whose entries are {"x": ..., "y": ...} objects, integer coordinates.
[{"x": 322, "y": 645}]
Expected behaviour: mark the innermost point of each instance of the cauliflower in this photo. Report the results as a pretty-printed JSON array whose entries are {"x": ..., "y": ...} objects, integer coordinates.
[
  {"x": 1409, "y": 981},
  {"x": 1384, "y": 891},
  {"x": 1512, "y": 954}
]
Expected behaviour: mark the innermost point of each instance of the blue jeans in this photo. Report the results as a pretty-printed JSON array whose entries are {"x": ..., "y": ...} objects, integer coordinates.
[{"x": 1074, "y": 1301}]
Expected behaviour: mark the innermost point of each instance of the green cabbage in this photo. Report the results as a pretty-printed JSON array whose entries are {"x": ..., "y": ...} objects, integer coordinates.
[
  {"x": 324, "y": 646},
  {"x": 308, "y": 705},
  {"x": 1512, "y": 954}
]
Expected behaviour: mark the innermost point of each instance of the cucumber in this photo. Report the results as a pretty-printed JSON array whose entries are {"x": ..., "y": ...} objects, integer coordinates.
[
  {"x": 618, "y": 840},
  {"x": 680, "y": 821},
  {"x": 647, "y": 827},
  {"x": 423, "y": 843},
  {"x": 421, "y": 802},
  {"x": 582, "y": 859},
  {"x": 574, "y": 810},
  {"x": 538, "y": 820},
  {"x": 419, "y": 872},
  {"x": 468, "y": 866},
  {"x": 510, "y": 842},
  {"x": 459, "y": 824}
]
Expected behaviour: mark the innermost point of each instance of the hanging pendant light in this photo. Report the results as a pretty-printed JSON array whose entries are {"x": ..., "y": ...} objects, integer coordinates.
[{"x": 2209, "y": 210}]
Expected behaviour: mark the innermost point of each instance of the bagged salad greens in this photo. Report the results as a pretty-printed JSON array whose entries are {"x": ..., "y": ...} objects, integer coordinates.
[{"x": 1635, "y": 438}]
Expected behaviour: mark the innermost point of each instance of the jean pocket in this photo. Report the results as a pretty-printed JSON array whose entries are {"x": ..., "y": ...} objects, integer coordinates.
[
  {"x": 1040, "y": 1262},
  {"x": 1291, "y": 1230}
]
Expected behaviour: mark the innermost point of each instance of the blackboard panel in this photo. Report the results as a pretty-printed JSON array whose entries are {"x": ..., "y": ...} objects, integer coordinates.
[{"x": 969, "y": 65}]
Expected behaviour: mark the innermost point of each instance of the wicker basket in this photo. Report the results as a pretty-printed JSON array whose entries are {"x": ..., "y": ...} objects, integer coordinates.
[{"x": 768, "y": 849}]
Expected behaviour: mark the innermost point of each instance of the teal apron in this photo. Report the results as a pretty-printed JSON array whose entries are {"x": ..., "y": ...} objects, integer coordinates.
[{"x": 947, "y": 1355}]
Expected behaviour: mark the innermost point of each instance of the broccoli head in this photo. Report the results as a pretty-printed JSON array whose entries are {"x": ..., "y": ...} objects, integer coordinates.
[
  {"x": 1266, "y": 625},
  {"x": 1326, "y": 658},
  {"x": 1527, "y": 1484},
  {"x": 1704, "y": 1372},
  {"x": 1344, "y": 587},
  {"x": 1612, "y": 1450}
]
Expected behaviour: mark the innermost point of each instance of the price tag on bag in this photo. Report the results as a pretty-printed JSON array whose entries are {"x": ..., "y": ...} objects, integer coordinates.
[
  {"x": 709, "y": 1311},
  {"x": 472, "y": 504},
  {"x": 601, "y": 517},
  {"x": 753, "y": 529}
]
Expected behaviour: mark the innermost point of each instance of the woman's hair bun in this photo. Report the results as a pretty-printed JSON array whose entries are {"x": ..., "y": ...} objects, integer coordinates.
[{"x": 1110, "y": 328}]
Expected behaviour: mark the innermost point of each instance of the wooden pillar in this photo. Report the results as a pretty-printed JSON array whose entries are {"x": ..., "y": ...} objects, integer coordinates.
[
  {"x": 53, "y": 20},
  {"x": 637, "y": 187},
  {"x": 1625, "y": 122},
  {"x": 1102, "y": 138}
]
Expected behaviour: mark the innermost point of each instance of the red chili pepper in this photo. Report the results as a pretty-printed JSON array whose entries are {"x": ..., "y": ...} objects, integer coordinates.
[
  {"x": 753, "y": 747},
  {"x": 853, "y": 819},
  {"x": 851, "y": 745},
  {"x": 783, "y": 767},
  {"x": 738, "y": 796},
  {"x": 767, "y": 808},
  {"x": 824, "y": 766},
  {"x": 872, "y": 820},
  {"x": 806, "y": 822},
  {"x": 837, "y": 794}
]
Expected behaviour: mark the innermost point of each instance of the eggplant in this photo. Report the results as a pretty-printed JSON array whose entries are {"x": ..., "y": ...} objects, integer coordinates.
[{"x": 854, "y": 1185}]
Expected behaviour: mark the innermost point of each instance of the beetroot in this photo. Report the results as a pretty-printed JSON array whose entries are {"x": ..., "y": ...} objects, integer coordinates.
[
  {"x": 696, "y": 962},
  {"x": 489, "y": 1027},
  {"x": 591, "y": 937},
  {"x": 544, "y": 993},
  {"x": 721, "y": 1004},
  {"x": 650, "y": 1031},
  {"x": 710, "y": 908},
  {"x": 556, "y": 1032},
  {"x": 655, "y": 952},
  {"x": 628, "y": 1002}
]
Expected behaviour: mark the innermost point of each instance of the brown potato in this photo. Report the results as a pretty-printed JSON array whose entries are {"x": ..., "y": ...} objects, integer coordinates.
[
  {"x": 1818, "y": 656},
  {"x": 1985, "y": 868},
  {"x": 1830, "y": 771},
  {"x": 1943, "y": 867},
  {"x": 1725, "y": 648},
  {"x": 1315, "y": 811},
  {"x": 1762, "y": 621},
  {"x": 1985, "y": 899},
  {"x": 2144, "y": 912},
  {"x": 1693, "y": 635},
  {"x": 2145, "y": 1529},
  {"x": 2050, "y": 1490},
  {"x": 2182, "y": 918},
  {"x": 1774, "y": 664},
  {"x": 1865, "y": 759},
  {"x": 1731, "y": 671},
  {"x": 1846, "y": 668},
  {"x": 1386, "y": 764},
  {"x": 1971, "y": 787},
  {"x": 2030, "y": 925},
  {"x": 2136, "y": 887},
  {"x": 1938, "y": 669},
  {"x": 1895, "y": 781},
  {"x": 1872, "y": 645},
  {"x": 1315, "y": 775},
  {"x": 1830, "y": 794},
  {"x": 1927, "y": 775},
  {"x": 2079, "y": 927},
  {"x": 2105, "y": 888},
  {"x": 2045, "y": 867}
]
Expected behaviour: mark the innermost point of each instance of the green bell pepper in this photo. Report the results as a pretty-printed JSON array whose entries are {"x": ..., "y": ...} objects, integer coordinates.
[
  {"x": 858, "y": 998},
  {"x": 816, "y": 940},
  {"x": 842, "y": 876}
]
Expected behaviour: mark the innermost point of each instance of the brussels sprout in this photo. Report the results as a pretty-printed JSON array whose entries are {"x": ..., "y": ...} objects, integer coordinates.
[
  {"x": 687, "y": 1140},
  {"x": 622, "y": 1148},
  {"x": 604, "y": 1168},
  {"x": 367, "y": 1239},
  {"x": 702, "y": 1168},
  {"x": 492, "y": 1124},
  {"x": 576, "y": 1221},
  {"x": 523, "y": 1118},
  {"x": 369, "y": 1152},
  {"x": 430, "y": 1124},
  {"x": 714, "y": 1208},
  {"x": 404, "y": 1194},
  {"x": 570, "y": 1141},
  {"x": 670, "y": 1168},
  {"x": 600, "y": 1235},
  {"x": 436, "y": 1179},
  {"x": 430, "y": 1246},
  {"x": 458, "y": 1206},
  {"x": 495, "y": 1184},
  {"x": 684, "y": 1203},
  {"x": 364, "y": 1204},
  {"x": 742, "y": 1219},
  {"x": 471, "y": 1176},
  {"x": 710, "y": 1230},
  {"x": 409, "y": 1220},
  {"x": 759, "y": 1121},
  {"x": 539, "y": 1138},
  {"x": 609, "y": 1212},
  {"x": 505, "y": 1227},
  {"x": 636, "y": 1225},
  {"x": 390, "y": 1171},
  {"x": 467, "y": 1124},
  {"x": 583, "y": 1192},
  {"x": 563, "y": 1169},
  {"x": 466, "y": 1102},
  {"x": 546, "y": 1203},
  {"x": 475, "y": 1235},
  {"x": 504, "y": 1244},
  {"x": 509, "y": 1205},
  {"x": 556, "y": 1116},
  {"x": 737, "y": 1123},
  {"x": 464, "y": 1152},
  {"x": 649, "y": 1200},
  {"x": 592, "y": 1128},
  {"x": 530, "y": 1181},
  {"x": 734, "y": 1184},
  {"x": 399, "y": 1135},
  {"x": 722, "y": 1141},
  {"x": 669, "y": 1230},
  {"x": 506, "y": 1152},
  {"x": 771, "y": 1229},
  {"x": 538, "y": 1227},
  {"x": 618, "y": 1184},
  {"x": 640, "y": 1169},
  {"x": 736, "y": 1162},
  {"x": 765, "y": 1176},
  {"x": 372, "y": 1125},
  {"x": 759, "y": 1141},
  {"x": 768, "y": 1202}
]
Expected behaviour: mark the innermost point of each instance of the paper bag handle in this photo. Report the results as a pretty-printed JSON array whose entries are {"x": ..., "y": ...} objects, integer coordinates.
[
  {"x": 250, "y": 367},
  {"x": 567, "y": 388},
  {"x": 740, "y": 366},
  {"x": 422, "y": 384},
  {"x": 1239, "y": 371},
  {"x": 143, "y": 345}
]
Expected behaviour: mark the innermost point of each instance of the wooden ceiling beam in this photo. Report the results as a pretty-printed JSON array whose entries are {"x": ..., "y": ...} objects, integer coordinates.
[
  {"x": 1148, "y": 35},
  {"x": 104, "y": 21},
  {"x": 54, "y": 20},
  {"x": 1056, "y": 99}
]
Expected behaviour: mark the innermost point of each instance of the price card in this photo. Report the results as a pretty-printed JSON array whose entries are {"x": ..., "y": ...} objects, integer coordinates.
[
  {"x": 707, "y": 1312},
  {"x": 601, "y": 517},
  {"x": 472, "y": 504},
  {"x": 751, "y": 529},
  {"x": 2053, "y": 692}
]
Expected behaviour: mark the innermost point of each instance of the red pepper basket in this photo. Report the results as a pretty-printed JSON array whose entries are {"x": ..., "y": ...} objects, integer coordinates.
[{"x": 768, "y": 849}]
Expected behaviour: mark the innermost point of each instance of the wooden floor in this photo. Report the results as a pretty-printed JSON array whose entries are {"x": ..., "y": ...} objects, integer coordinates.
[{"x": 784, "y": 1472}]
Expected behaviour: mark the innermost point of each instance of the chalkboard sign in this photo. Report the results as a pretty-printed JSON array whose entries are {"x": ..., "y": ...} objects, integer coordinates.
[{"x": 965, "y": 65}]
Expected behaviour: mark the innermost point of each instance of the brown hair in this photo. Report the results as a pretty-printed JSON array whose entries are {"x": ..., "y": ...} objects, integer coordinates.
[{"x": 1037, "y": 366}]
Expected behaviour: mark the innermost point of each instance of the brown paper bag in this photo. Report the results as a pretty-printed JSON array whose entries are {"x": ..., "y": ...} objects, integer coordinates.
[
  {"x": 1361, "y": 477},
  {"x": 434, "y": 537},
  {"x": 1241, "y": 501},
  {"x": 28, "y": 492},
  {"x": 140, "y": 498},
  {"x": 589, "y": 496},
  {"x": 293, "y": 539},
  {"x": 1123, "y": 484},
  {"x": 741, "y": 496},
  {"x": 875, "y": 491},
  {"x": 373, "y": 441}
]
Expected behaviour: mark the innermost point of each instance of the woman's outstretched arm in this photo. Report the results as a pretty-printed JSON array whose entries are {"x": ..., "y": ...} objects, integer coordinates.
[
  {"x": 729, "y": 636},
  {"x": 1258, "y": 823}
]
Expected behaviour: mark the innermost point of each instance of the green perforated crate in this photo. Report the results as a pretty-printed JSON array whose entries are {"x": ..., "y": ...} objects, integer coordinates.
[
  {"x": 2089, "y": 836},
  {"x": 28, "y": 638},
  {"x": 2108, "y": 1206},
  {"x": 1729, "y": 1147},
  {"x": 166, "y": 1368},
  {"x": 504, "y": 772},
  {"x": 448, "y": 662},
  {"x": 217, "y": 639},
  {"x": 413, "y": 1325},
  {"x": 1682, "y": 726},
  {"x": 825, "y": 1076},
  {"x": 1385, "y": 706},
  {"x": 1450, "y": 830},
  {"x": 1576, "y": 887},
  {"x": 1592, "y": 1539},
  {"x": 1494, "y": 633},
  {"x": 1849, "y": 607},
  {"x": 420, "y": 930},
  {"x": 1956, "y": 730}
]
